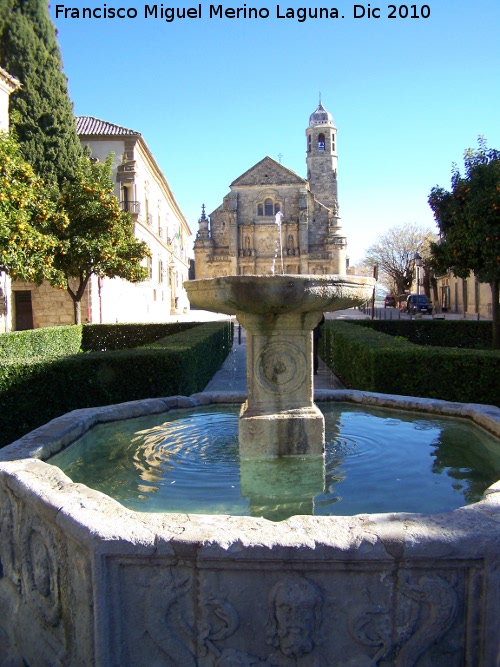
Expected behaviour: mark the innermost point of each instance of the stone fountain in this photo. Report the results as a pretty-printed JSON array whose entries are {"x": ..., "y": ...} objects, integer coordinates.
[
  {"x": 279, "y": 313},
  {"x": 85, "y": 581}
]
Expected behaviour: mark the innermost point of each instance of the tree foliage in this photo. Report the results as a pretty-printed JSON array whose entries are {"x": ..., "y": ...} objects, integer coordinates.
[
  {"x": 394, "y": 254},
  {"x": 97, "y": 238},
  {"x": 41, "y": 111},
  {"x": 26, "y": 213},
  {"x": 469, "y": 221}
]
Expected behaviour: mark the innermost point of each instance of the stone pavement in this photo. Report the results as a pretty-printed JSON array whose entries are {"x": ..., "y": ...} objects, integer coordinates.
[{"x": 231, "y": 377}]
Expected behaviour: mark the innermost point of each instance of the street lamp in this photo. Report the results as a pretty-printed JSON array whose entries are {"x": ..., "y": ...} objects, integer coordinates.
[{"x": 418, "y": 264}]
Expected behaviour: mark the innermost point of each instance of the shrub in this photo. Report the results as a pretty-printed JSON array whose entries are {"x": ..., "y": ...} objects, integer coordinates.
[
  {"x": 47, "y": 342},
  {"x": 471, "y": 334},
  {"x": 35, "y": 391},
  {"x": 123, "y": 336},
  {"x": 372, "y": 361}
]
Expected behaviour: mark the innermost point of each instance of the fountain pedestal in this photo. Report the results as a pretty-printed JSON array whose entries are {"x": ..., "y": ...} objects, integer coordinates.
[
  {"x": 279, "y": 416},
  {"x": 279, "y": 313}
]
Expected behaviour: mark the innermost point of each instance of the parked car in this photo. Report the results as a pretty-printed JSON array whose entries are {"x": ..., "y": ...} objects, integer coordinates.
[
  {"x": 390, "y": 301},
  {"x": 417, "y": 303}
]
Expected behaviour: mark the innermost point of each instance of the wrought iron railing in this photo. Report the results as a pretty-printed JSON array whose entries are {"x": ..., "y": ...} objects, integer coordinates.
[{"x": 131, "y": 206}]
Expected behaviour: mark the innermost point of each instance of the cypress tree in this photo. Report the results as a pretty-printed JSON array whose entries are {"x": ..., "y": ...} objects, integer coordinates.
[{"x": 41, "y": 111}]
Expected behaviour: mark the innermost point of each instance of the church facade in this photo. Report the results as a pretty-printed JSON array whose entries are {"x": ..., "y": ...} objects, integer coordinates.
[{"x": 275, "y": 221}]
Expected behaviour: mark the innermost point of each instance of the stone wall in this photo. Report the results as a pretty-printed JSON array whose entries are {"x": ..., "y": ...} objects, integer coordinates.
[
  {"x": 51, "y": 306},
  {"x": 84, "y": 581}
]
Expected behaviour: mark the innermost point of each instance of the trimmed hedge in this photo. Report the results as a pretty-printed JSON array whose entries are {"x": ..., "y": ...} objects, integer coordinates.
[
  {"x": 103, "y": 337},
  {"x": 470, "y": 334},
  {"x": 34, "y": 392},
  {"x": 46, "y": 342},
  {"x": 372, "y": 361},
  {"x": 71, "y": 339}
]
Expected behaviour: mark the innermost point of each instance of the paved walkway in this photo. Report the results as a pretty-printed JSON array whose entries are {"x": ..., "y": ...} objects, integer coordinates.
[{"x": 231, "y": 377}]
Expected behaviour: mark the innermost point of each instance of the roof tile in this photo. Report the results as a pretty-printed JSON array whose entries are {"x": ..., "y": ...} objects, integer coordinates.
[{"x": 90, "y": 126}]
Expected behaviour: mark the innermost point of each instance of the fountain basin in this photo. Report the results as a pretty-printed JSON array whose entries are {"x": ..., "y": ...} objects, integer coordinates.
[
  {"x": 84, "y": 581},
  {"x": 264, "y": 295}
]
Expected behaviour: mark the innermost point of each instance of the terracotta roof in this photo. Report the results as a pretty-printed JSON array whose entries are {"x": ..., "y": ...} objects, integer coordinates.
[
  {"x": 90, "y": 126},
  {"x": 9, "y": 80}
]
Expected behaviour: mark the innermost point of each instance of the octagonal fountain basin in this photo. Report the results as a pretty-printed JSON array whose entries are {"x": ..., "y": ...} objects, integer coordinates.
[
  {"x": 87, "y": 581},
  {"x": 376, "y": 460}
]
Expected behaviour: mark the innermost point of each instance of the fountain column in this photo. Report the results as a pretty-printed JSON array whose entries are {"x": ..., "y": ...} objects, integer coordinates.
[{"x": 279, "y": 417}]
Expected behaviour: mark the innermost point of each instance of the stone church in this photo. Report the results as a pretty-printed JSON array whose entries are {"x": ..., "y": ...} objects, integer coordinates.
[{"x": 275, "y": 221}]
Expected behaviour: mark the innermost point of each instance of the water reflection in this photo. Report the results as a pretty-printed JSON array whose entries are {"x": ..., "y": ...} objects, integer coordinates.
[
  {"x": 278, "y": 488},
  {"x": 376, "y": 460}
]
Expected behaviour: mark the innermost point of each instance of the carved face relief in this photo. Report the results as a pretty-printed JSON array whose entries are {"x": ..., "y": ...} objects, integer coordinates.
[{"x": 294, "y": 616}]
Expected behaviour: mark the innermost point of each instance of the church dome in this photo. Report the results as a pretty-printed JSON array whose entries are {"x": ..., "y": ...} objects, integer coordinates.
[{"x": 321, "y": 116}]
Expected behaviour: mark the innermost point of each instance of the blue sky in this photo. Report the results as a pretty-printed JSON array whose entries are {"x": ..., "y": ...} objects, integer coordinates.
[{"x": 214, "y": 96}]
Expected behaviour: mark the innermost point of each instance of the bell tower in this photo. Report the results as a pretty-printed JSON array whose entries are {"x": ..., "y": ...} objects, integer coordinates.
[{"x": 321, "y": 136}]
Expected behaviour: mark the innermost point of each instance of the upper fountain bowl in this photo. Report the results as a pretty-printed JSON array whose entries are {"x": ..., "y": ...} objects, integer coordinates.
[{"x": 292, "y": 293}]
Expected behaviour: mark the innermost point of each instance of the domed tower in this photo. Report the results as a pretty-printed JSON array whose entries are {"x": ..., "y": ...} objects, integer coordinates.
[{"x": 322, "y": 157}]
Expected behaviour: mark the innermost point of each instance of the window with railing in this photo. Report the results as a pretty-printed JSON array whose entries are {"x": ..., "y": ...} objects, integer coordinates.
[{"x": 131, "y": 206}]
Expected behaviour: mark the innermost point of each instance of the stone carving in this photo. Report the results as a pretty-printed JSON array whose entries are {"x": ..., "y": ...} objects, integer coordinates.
[
  {"x": 419, "y": 625},
  {"x": 8, "y": 567},
  {"x": 267, "y": 244},
  {"x": 220, "y": 621},
  {"x": 435, "y": 609},
  {"x": 281, "y": 365},
  {"x": 294, "y": 624},
  {"x": 162, "y": 613},
  {"x": 41, "y": 573},
  {"x": 293, "y": 628},
  {"x": 372, "y": 628}
]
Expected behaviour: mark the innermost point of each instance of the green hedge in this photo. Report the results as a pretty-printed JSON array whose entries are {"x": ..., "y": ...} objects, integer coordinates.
[
  {"x": 47, "y": 342},
  {"x": 61, "y": 341},
  {"x": 34, "y": 392},
  {"x": 372, "y": 361},
  {"x": 471, "y": 334},
  {"x": 124, "y": 336}
]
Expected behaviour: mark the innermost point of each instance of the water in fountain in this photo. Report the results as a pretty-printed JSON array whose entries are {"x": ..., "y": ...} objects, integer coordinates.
[{"x": 376, "y": 460}]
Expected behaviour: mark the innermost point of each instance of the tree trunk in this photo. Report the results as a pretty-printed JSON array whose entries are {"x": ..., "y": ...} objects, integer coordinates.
[
  {"x": 78, "y": 295},
  {"x": 77, "y": 311},
  {"x": 495, "y": 314}
]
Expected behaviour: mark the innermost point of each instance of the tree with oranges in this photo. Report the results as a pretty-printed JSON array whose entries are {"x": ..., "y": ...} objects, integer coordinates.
[
  {"x": 26, "y": 214},
  {"x": 469, "y": 221},
  {"x": 98, "y": 238}
]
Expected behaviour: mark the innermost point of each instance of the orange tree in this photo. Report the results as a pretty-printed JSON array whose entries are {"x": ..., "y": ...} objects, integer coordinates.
[
  {"x": 99, "y": 238},
  {"x": 26, "y": 213},
  {"x": 469, "y": 221}
]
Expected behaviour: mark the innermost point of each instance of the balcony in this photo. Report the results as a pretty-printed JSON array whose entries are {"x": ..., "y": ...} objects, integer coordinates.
[{"x": 133, "y": 207}]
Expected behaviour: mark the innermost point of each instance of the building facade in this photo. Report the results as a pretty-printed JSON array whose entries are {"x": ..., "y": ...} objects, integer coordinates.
[
  {"x": 465, "y": 296},
  {"x": 143, "y": 191},
  {"x": 275, "y": 221},
  {"x": 8, "y": 84}
]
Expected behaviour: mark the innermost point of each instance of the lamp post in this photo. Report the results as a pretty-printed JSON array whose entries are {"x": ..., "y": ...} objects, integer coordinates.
[{"x": 418, "y": 264}]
